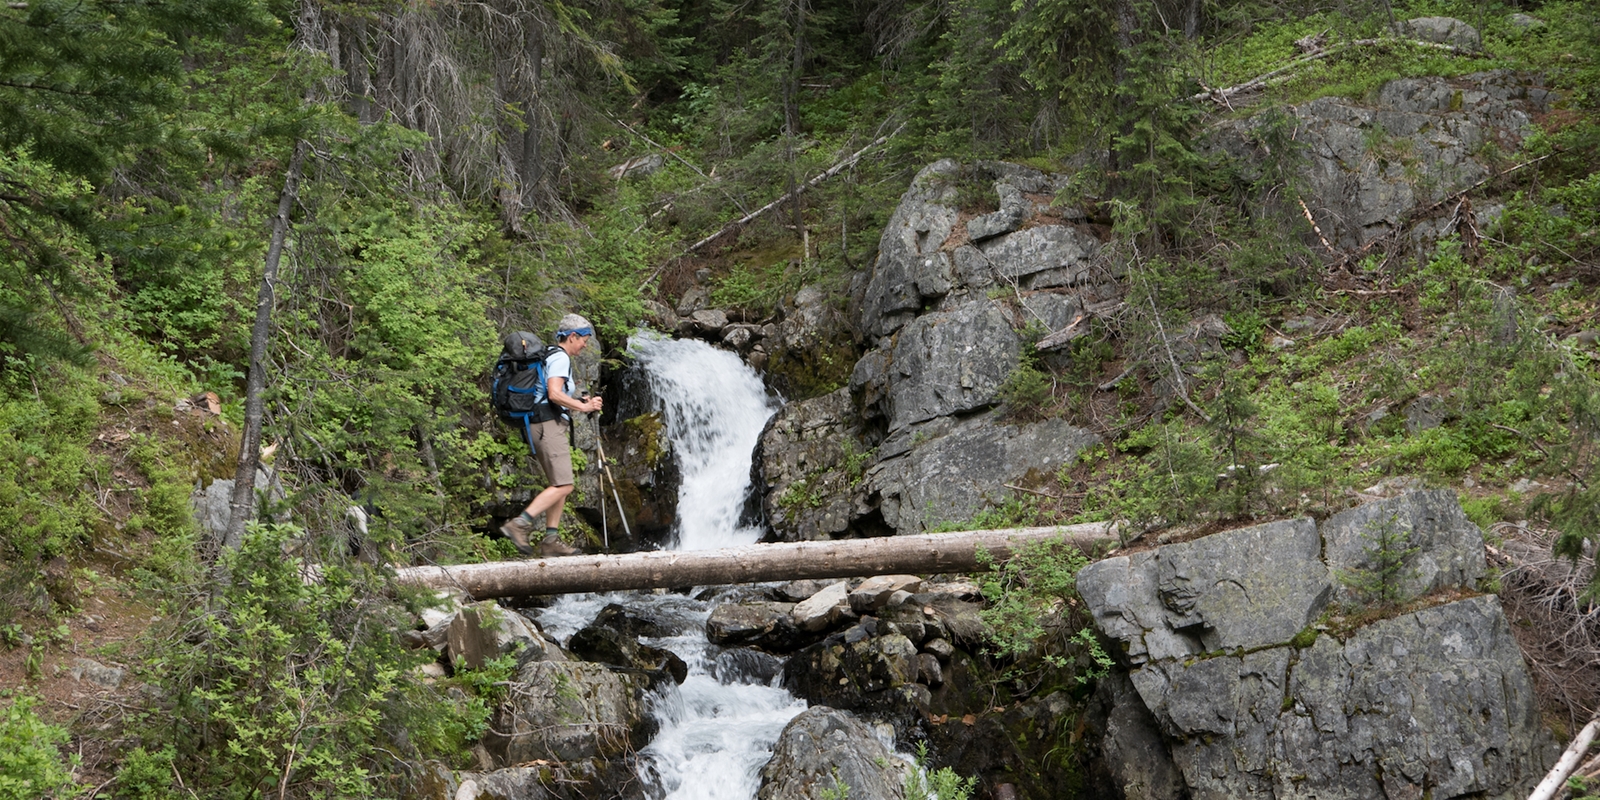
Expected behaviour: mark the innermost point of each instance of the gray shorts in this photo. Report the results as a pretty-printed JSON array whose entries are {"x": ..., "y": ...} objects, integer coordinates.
[{"x": 550, "y": 447}]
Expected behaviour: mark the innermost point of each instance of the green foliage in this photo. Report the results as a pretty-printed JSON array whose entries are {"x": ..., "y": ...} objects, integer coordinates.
[
  {"x": 284, "y": 682},
  {"x": 147, "y": 776},
  {"x": 1385, "y": 564},
  {"x": 1028, "y": 390},
  {"x": 31, "y": 764},
  {"x": 1034, "y": 609},
  {"x": 940, "y": 784}
]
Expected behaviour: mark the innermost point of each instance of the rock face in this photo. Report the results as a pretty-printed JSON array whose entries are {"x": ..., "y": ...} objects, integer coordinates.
[
  {"x": 949, "y": 470},
  {"x": 570, "y": 711},
  {"x": 1366, "y": 166},
  {"x": 920, "y": 403},
  {"x": 811, "y": 457},
  {"x": 1252, "y": 703},
  {"x": 824, "y": 749}
]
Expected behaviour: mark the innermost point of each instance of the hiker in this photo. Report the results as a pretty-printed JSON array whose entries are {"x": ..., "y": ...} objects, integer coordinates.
[{"x": 549, "y": 443}]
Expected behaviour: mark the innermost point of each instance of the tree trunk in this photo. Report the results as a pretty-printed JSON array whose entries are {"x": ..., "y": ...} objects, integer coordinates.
[
  {"x": 244, "y": 477},
  {"x": 532, "y": 167},
  {"x": 920, "y": 554}
]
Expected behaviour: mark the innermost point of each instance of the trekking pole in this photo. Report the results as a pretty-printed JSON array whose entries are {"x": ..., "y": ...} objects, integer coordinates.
[{"x": 606, "y": 468}]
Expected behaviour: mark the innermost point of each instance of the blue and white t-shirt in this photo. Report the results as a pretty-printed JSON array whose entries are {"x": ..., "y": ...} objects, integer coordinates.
[{"x": 559, "y": 365}]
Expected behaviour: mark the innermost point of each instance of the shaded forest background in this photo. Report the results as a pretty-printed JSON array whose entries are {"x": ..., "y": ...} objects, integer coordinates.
[{"x": 470, "y": 168}]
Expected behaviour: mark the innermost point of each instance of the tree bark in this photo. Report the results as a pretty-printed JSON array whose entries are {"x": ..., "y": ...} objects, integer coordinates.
[
  {"x": 532, "y": 167},
  {"x": 244, "y": 476},
  {"x": 919, "y": 554}
]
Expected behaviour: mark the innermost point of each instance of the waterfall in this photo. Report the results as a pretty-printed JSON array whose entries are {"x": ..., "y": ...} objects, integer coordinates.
[
  {"x": 714, "y": 407},
  {"x": 718, "y": 728}
]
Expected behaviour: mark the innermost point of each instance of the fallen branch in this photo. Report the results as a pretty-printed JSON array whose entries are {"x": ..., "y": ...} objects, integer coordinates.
[
  {"x": 1222, "y": 95},
  {"x": 787, "y": 196},
  {"x": 1315, "y": 226},
  {"x": 647, "y": 140},
  {"x": 1557, "y": 779}
]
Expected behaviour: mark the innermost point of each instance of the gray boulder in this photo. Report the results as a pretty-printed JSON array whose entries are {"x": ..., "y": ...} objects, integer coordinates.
[
  {"x": 1437, "y": 700},
  {"x": 1038, "y": 257},
  {"x": 1368, "y": 166},
  {"x": 950, "y": 362},
  {"x": 1525, "y": 22},
  {"x": 567, "y": 712},
  {"x": 1442, "y": 30},
  {"x": 824, "y": 750},
  {"x": 809, "y": 456},
  {"x": 910, "y": 266},
  {"x": 948, "y": 471},
  {"x": 1448, "y": 546},
  {"x": 1240, "y": 589}
]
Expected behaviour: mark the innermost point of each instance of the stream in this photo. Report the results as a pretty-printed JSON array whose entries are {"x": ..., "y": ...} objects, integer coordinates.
[{"x": 718, "y": 728}]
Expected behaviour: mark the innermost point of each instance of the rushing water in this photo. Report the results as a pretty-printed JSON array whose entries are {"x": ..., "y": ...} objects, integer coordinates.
[
  {"x": 718, "y": 728},
  {"x": 714, "y": 407}
]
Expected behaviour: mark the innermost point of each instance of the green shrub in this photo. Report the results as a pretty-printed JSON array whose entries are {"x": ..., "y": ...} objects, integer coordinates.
[{"x": 31, "y": 764}]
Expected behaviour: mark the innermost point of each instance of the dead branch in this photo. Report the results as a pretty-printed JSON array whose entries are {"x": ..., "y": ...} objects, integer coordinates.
[
  {"x": 1314, "y": 226},
  {"x": 787, "y": 196},
  {"x": 1557, "y": 779},
  {"x": 1278, "y": 75}
]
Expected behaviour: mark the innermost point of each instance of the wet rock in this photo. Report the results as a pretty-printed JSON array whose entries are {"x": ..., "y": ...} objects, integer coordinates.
[
  {"x": 1448, "y": 546},
  {"x": 695, "y": 299},
  {"x": 568, "y": 712},
  {"x": 608, "y": 644},
  {"x": 765, "y": 624},
  {"x": 795, "y": 591},
  {"x": 824, "y": 751},
  {"x": 853, "y": 675},
  {"x": 744, "y": 665},
  {"x": 822, "y": 609},
  {"x": 929, "y": 671}
]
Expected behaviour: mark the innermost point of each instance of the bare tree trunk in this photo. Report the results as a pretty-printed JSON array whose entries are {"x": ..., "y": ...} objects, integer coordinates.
[
  {"x": 244, "y": 476},
  {"x": 921, "y": 554},
  {"x": 532, "y": 165},
  {"x": 357, "y": 80}
]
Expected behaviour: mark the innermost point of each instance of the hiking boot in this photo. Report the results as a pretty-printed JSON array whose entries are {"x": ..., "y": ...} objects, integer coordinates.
[
  {"x": 552, "y": 546},
  {"x": 516, "y": 529}
]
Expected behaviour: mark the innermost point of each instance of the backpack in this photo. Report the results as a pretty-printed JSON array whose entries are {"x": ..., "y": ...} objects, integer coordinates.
[{"x": 518, "y": 390}]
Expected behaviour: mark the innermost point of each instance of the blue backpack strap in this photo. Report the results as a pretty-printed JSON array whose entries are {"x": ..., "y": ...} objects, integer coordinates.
[{"x": 527, "y": 433}]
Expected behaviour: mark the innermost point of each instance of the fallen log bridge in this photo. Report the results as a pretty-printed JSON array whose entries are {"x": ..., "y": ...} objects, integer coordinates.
[{"x": 665, "y": 569}]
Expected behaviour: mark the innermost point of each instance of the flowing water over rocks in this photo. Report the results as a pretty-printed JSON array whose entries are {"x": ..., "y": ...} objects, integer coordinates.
[{"x": 717, "y": 729}]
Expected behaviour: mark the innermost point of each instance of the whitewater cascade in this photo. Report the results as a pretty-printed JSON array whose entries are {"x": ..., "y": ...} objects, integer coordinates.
[
  {"x": 718, "y": 728},
  {"x": 714, "y": 407}
]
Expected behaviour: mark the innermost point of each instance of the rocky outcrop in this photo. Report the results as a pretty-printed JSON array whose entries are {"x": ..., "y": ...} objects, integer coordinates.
[
  {"x": 938, "y": 350},
  {"x": 825, "y": 752},
  {"x": 949, "y": 470},
  {"x": 811, "y": 458},
  {"x": 1365, "y": 166},
  {"x": 572, "y": 711},
  {"x": 1251, "y": 701}
]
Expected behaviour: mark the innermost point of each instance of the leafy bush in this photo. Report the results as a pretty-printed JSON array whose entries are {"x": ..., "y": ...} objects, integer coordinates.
[
  {"x": 31, "y": 765},
  {"x": 287, "y": 684},
  {"x": 1034, "y": 609}
]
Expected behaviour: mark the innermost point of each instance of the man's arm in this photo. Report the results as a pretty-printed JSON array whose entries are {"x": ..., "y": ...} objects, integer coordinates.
[{"x": 556, "y": 388}]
